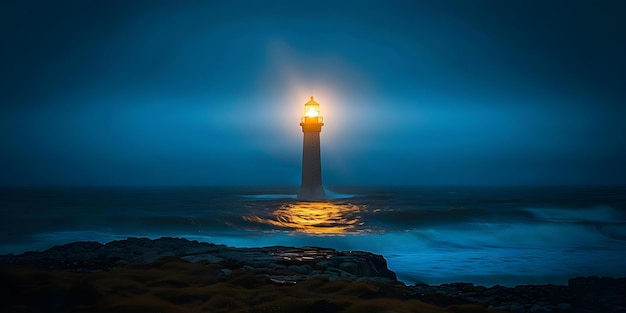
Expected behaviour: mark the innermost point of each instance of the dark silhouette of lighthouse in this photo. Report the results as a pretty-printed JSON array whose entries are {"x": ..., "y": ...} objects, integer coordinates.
[{"x": 311, "y": 188}]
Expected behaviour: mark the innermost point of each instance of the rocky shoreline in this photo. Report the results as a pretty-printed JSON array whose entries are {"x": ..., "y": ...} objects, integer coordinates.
[
  {"x": 303, "y": 263},
  {"x": 88, "y": 276}
]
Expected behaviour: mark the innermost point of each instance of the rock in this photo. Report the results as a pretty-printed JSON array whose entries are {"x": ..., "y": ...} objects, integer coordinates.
[
  {"x": 315, "y": 272},
  {"x": 284, "y": 280},
  {"x": 338, "y": 273},
  {"x": 193, "y": 258},
  {"x": 377, "y": 279},
  {"x": 116, "y": 255},
  {"x": 288, "y": 265},
  {"x": 209, "y": 258},
  {"x": 539, "y": 307},
  {"x": 153, "y": 256},
  {"x": 301, "y": 269},
  {"x": 582, "y": 294},
  {"x": 94, "y": 256},
  {"x": 498, "y": 308},
  {"x": 462, "y": 287},
  {"x": 323, "y": 264},
  {"x": 598, "y": 293},
  {"x": 349, "y": 267}
]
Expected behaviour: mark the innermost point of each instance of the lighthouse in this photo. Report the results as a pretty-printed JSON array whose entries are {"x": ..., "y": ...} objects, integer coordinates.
[{"x": 311, "y": 122}]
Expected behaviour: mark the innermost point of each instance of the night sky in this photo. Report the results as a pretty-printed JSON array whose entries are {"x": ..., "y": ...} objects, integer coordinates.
[{"x": 412, "y": 92}]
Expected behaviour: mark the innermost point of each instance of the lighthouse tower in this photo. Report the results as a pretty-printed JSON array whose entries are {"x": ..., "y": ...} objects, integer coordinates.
[{"x": 311, "y": 188}]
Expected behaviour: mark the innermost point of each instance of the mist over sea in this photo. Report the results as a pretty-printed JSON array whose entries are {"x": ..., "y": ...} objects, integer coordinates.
[{"x": 485, "y": 235}]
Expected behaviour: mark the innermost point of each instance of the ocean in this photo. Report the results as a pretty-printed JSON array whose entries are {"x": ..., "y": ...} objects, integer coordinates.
[{"x": 485, "y": 235}]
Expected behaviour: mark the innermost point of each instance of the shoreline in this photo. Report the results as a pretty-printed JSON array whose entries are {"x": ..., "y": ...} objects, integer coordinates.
[{"x": 280, "y": 270}]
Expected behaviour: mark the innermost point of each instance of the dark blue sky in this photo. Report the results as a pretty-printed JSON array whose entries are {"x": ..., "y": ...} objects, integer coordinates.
[{"x": 412, "y": 92}]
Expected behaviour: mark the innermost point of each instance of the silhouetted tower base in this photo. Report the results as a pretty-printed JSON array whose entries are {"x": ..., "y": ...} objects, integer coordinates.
[{"x": 311, "y": 188}]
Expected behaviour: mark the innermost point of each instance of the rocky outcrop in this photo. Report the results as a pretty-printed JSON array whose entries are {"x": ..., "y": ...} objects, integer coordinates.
[
  {"x": 299, "y": 263},
  {"x": 310, "y": 268},
  {"x": 581, "y": 295}
]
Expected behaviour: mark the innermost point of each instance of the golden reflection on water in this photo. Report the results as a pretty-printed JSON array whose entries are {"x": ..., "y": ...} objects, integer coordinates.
[{"x": 320, "y": 218}]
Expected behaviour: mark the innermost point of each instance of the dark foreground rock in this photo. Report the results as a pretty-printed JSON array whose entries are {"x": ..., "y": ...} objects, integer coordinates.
[
  {"x": 302, "y": 262},
  {"x": 178, "y": 275},
  {"x": 581, "y": 295}
]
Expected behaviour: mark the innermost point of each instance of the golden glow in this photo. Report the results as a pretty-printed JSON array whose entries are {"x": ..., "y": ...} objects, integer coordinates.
[
  {"x": 312, "y": 108},
  {"x": 288, "y": 107},
  {"x": 318, "y": 218},
  {"x": 311, "y": 113}
]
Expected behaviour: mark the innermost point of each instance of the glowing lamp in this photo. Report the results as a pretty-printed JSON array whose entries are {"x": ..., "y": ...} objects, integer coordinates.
[{"x": 311, "y": 112}]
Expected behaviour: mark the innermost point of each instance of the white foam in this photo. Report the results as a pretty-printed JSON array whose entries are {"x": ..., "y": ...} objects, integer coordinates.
[
  {"x": 330, "y": 195},
  {"x": 335, "y": 195}
]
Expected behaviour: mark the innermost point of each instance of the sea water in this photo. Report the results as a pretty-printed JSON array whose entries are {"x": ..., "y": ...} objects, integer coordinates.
[{"x": 485, "y": 235}]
